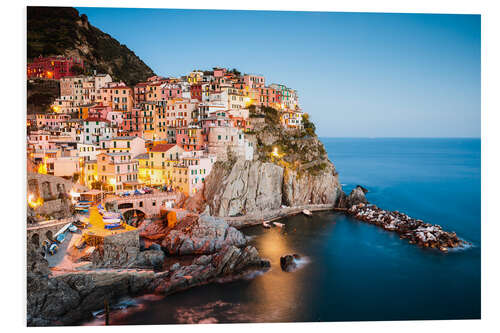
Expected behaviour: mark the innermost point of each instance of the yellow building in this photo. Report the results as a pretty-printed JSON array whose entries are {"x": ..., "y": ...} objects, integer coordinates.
[
  {"x": 117, "y": 171},
  {"x": 160, "y": 165},
  {"x": 90, "y": 172}
]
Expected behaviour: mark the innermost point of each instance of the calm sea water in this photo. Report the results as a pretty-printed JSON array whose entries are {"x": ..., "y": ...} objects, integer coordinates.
[{"x": 351, "y": 270}]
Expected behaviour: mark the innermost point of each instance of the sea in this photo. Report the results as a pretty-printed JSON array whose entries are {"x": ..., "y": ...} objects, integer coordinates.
[{"x": 350, "y": 270}]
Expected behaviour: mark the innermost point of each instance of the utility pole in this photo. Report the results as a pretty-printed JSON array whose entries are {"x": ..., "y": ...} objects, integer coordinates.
[{"x": 106, "y": 311}]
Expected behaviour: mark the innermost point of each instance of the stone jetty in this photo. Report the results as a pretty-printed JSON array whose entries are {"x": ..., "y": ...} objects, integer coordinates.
[{"x": 416, "y": 231}]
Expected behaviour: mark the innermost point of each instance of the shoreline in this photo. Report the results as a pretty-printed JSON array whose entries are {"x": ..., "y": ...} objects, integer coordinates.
[
  {"x": 416, "y": 231},
  {"x": 250, "y": 220}
]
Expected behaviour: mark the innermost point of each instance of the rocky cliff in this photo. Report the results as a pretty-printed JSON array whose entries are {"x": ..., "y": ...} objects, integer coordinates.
[
  {"x": 121, "y": 267},
  {"x": 243, "y": 187},
  {"x": 63, "y": 31},
  {"x": 290, "y": 168}
]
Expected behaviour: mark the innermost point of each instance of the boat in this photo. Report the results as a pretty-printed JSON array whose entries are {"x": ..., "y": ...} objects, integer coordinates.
[
  {"x": 307, "y": 212},
  {"x": 60, "y": 238},
  {"x": 82, "y": 205},
  {"x": 266, "y": 225},
  {"x": 112, "y": 226},
  {"x": 112, "y": 221},
  {"x": 45, "y": 245},
  {"x": 279, "y": 225},
  {"x": 53, "y": 249},
  {"x": 110, "y": 215}
]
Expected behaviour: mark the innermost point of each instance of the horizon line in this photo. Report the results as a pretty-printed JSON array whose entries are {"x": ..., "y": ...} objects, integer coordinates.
[{"x": 399, "y": 137}]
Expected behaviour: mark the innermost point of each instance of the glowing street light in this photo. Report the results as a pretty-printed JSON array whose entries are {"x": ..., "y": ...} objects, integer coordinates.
[
  {"x": 34, "y": 203},
  {"x": 275, "y": 152}
]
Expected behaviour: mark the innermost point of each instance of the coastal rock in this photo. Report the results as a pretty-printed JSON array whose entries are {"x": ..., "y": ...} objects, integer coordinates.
[
  {"x": 416, "y": 231},
  {"x": 195, "y": 203},
  {"x": 288, "y": 263},
  {"x": 120, "y": 250},
  {"x": 206, "y": 235},
  {"x": 306, "y": 189},
  {"x": 243, "y": 187},
  {"x": 150, "y": 258},
  {"x": 232, "y": 260},
  {"x": 357, "y": 196},
  {"x": 70, "y": 297}
]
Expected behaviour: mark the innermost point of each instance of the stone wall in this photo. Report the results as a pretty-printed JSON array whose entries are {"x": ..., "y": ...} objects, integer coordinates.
[{"x": 49, "y": 187}]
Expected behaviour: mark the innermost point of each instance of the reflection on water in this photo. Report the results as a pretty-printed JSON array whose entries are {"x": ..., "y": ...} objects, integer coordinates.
[
  {"x": 358, "y": 271},
  {"x": 277, "y": 287},
  {"x": 355, "y": 271}
]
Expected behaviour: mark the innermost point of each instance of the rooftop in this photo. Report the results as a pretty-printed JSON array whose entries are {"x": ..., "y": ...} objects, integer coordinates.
[
  {"x": 162, "y": 148},
  {"x": 144, "y": 156},
  {"x": 125, "y": 137}
]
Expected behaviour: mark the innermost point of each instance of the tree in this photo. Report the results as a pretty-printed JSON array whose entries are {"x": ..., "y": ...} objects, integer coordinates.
[
  {"x": 235, "y": 72},
  {"x": 308, "y": 126}
]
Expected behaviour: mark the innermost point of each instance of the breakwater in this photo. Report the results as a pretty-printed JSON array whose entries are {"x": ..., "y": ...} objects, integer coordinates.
[{"x": 416, "y": 231}]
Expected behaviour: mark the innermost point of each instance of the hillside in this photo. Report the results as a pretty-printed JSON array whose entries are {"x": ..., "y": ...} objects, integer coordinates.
[
  {"x": 40, "y": 95},
  {"x": 62, "y": 30},
  {"x": 290, "y": 169}
]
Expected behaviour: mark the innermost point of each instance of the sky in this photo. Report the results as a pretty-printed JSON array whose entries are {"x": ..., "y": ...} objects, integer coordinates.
[{"x": 357, "y": 74}]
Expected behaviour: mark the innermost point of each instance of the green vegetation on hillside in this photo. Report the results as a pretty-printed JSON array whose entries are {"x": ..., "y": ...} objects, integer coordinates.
[{"x": 297, "y": 149}]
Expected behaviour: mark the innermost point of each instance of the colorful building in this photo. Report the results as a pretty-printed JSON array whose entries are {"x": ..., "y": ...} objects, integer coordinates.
[
  {"x": 53, "y": 67},
  {"x": 190, "y": 138},
  {"x": 117, "y": 171}
]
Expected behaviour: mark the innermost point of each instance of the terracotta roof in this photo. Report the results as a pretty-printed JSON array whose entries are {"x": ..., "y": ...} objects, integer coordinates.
[
  {"x": 162, "y": 147},
  {"x": 97, "y": 119}
]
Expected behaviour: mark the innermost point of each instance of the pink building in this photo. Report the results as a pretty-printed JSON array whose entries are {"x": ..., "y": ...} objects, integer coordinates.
[
  {"x": 254, "y": 81},
  {"x": 219, "y": 72},
  {"x": 190, "y": 138},
  {"x": 170, "y": 91},
  {"x": 99, "y": 111},
  {"x": 118, "y": 95},
  {"x": 51, "y": 120},
  {"x": 175, "y": 113},
  {"x": 132, "y": 123}
]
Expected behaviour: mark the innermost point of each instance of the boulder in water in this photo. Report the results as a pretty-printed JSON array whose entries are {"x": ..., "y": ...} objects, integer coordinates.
[
  {"x": 357, "y": 196},
  {"x": 287, "y": 262}
]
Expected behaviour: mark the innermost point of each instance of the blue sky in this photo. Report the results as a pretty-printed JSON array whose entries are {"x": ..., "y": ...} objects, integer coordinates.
[{"x": 357, "y": 74}]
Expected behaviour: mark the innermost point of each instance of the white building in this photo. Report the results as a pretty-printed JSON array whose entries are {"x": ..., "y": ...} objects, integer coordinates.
[
  {"x": 96, "y": 130},
  {"x": 87, "y": 151},
  {"x": 130, "y": 144}
]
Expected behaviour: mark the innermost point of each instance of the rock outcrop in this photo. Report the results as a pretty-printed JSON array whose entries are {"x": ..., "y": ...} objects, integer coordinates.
[
  {"x": 242, "y": 187},
  {"x": 288, "y": 262},
  {"x": 306, "y": 189},
  {"x": 357, "y": 196},
  {"x": 204, "y": 235},
  {"x": 416, "y": 231},
  {"x": 68, "y": 298},
  {"x": 247, "y": 187},
  {"x": 290, "y": 168},
  {"x": 120, "y": 250}
]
